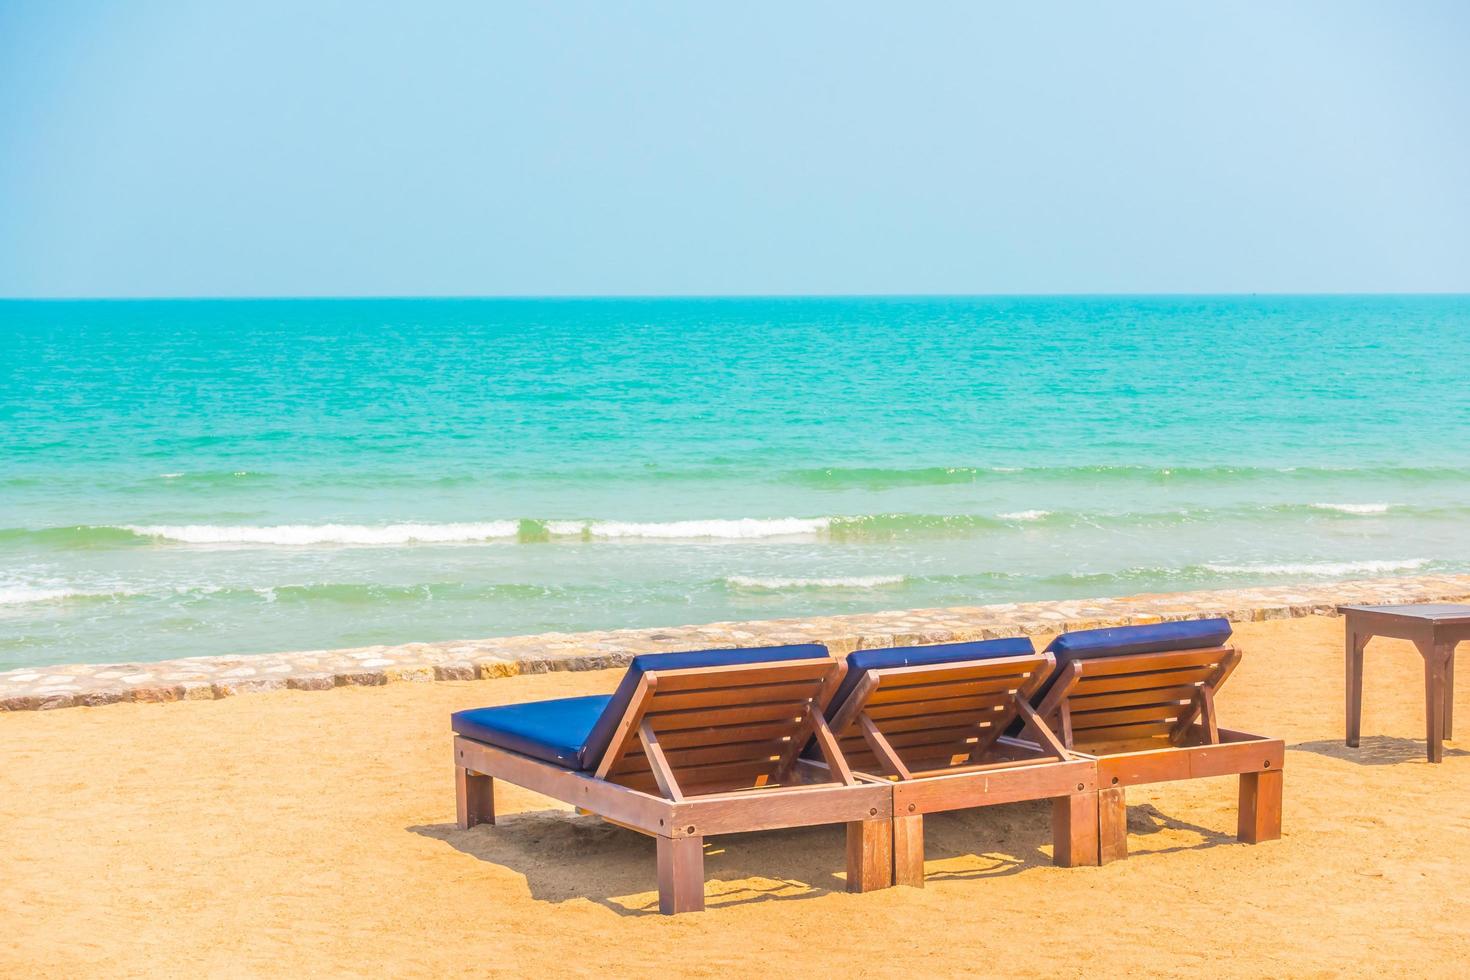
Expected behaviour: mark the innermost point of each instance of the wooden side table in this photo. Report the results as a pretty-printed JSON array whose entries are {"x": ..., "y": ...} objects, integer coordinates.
[{"x": 1433, "y": 627}]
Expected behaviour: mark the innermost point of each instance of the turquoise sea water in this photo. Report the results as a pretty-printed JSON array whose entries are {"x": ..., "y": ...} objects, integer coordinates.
[{"x": 190, "y": 478}]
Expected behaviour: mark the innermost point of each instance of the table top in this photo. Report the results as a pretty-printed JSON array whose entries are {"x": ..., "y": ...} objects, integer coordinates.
[{"x": 1443, "y": 613}]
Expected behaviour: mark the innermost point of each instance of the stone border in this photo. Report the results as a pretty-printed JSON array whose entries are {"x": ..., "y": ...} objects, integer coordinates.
[{"x": 206, "y": 678}]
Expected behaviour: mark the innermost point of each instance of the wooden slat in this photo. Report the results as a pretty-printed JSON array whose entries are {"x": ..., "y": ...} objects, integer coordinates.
[
  {"x": 1146, "y": 729},
  {"x": 892, "y": 692},
  {"x": 723, "y": 771},
  {"x": 968, "y": 670},
  {"x": 1134, "y": 698},
  {"x": 904, "y": 709},
  {"x": 702, "y": 718},
  {"x": 768, "y": 672},
  {"x": 941, "y": 766},
  {"x": 643, "y": 782},
  {"x": 923, "y": 736},
  {"x": 961, "y": 719},
  {"x": 864, "y": 757},
  {"x": 1153, "y": 662},
  {"x": 730, "y": 752},
  {"x": 794, "y": 693},
  {"x": 1134, "y": 682},
  {"x": 1083, "y": 721},
  {"x": 724, "y": 735},
  {"x": 1126, "y": 745}
]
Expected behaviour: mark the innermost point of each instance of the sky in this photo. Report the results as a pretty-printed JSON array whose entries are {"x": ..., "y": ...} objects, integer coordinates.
[{"x": 301, "y": 148}]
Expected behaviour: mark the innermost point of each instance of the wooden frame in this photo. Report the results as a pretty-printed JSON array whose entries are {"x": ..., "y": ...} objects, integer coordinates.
[
  {"x": 1150, "y": 718},
  {"x": 935, "y": 734},
  {"x": 705, "y": 751}
]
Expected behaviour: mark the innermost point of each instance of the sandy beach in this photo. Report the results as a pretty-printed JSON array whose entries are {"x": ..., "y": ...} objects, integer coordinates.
[{"x": 312, "y": 832}]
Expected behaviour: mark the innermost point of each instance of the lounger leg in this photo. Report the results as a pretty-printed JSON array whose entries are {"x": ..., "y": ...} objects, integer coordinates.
[
  {"x": 474, "y": 797},
  {"x": 1074, "y": 829},
  {"x": 680, "y": 874},
  {"x": 908, "y": 851},
  {"x": 1260, "y": 806},
  {"x": 1112, "y": 824},
  {"x": 869, "y": 855}
]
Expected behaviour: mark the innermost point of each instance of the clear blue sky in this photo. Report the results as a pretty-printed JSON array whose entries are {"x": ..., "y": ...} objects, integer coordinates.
[{"x": 337, "y": 148}]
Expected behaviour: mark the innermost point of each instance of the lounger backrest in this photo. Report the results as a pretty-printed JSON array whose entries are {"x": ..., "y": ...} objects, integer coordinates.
[
  {"x": 691, "y": 730},
  {"x": 602, "y": 732},
  {"x": 903, "y": 720},
  {"x": 1136, "y": 701},
  {"x": 1122, "y": 641}
]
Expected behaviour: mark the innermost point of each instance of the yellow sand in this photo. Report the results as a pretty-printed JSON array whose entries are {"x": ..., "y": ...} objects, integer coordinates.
[{"x": 296, "y": 833}]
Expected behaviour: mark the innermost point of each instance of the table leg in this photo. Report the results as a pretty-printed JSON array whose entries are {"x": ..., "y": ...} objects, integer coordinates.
[
  {"x": 1434, "y": 686},
  {"x": 1449, "y": 692},
  {"x": 1354, "y": 656}
]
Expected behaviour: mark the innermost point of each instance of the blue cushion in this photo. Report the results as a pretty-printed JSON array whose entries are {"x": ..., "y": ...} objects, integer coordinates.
[
  {"x": 575, "y": 732},
  {"x": 554, "y": 731},
  {"x": 862, "y": 661},
  {"x": 1118, "y": 641}
]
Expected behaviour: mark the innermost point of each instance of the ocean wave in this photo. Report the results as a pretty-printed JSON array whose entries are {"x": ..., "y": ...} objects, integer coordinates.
[
  {"x": 76, "y": 536},
  {"x": 1329, "y": 568},
  {"x": 881, "y": 478},
  {"x": 891, "y": 525},
  {"x": 340, "y": 534},
  {"x": 340, "y": 593},
  {"x": 1355, "y": 508},
  {"x": 19, "y": 595},
  {"x": 860, "y": 527},
  {"x": 778, "y": 583},
  {"x": 744, "y": 528},
  {"x": 1025, "y": 515},
  {"x": 367, "y": 593}
]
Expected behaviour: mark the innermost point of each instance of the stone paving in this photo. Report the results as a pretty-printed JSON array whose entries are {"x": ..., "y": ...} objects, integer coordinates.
[{"x": 205, "y": 678}]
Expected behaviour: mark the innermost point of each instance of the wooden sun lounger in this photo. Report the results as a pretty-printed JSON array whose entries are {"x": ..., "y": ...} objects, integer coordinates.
[
  {"x": 1150, "y": 718},
  {"x": 704, "y": 751},
  {"x": 935, "y": 733}
]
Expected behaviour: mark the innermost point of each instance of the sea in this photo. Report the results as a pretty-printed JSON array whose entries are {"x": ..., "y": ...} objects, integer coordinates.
[{"x": 190, "y": 478}]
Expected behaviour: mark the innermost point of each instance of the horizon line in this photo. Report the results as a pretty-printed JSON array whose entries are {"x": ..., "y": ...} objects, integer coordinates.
[{"x": 351, "y": 297}]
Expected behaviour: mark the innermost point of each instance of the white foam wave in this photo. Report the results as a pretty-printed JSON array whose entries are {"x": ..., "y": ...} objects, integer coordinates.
[
  {"x": 1025, "y": 515},
  {"x": 348, "y": 534},
  {"x": 15, "y": 595},
  {"x": 741, "y": 529},
  {"x": 1320, "y": 567},
  {"x": 1354, "y": 508},
  {"x": 563, "y": 529},
  {"x": 773, "y": 584}
]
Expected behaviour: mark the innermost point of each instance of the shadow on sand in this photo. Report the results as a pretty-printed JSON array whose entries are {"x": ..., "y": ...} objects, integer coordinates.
[
  {"x": 1374, "y": 750},
  {"x": 565, "y": 856}
]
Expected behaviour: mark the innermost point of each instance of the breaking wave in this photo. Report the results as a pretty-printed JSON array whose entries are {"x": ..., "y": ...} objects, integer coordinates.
[
  {"x": 310, "y": 534},
  {"x": 780, "y": 584},
  {"x": 1328, "y": 568}
]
